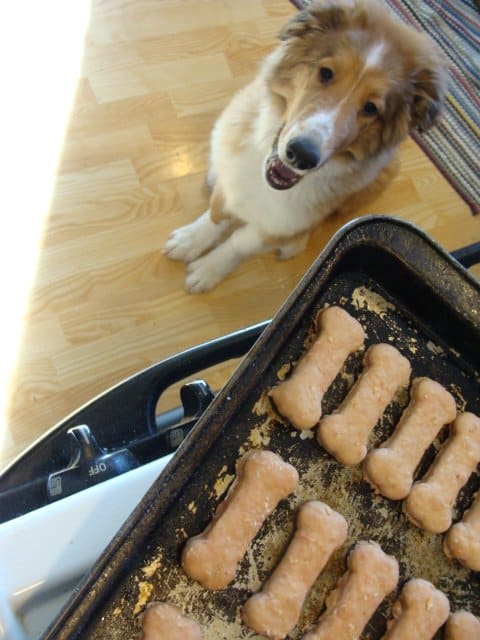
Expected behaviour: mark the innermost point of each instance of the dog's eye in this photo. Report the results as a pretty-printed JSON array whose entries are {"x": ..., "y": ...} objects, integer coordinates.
[
  {"x": 370, "y": 109},
  {"x": 325, "y": 74}
]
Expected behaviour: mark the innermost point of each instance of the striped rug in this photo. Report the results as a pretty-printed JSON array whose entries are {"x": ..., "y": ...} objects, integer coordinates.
[{"x": 453, "y": 144}]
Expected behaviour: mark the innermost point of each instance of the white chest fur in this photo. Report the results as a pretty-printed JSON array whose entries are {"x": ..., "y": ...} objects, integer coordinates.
[{"x": 251, "y": 199}]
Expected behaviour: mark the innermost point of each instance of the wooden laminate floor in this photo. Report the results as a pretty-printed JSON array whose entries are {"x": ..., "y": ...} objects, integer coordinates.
[{"x": 103, "y": 302}]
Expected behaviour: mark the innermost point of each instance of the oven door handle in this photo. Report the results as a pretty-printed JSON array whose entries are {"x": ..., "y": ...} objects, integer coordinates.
[{"x": 132, "y": 403}]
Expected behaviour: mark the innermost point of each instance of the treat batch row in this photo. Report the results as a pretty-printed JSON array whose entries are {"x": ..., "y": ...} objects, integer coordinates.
[
  {"x": 263, "y": 479},
  {"x": 390, "y": 468}
]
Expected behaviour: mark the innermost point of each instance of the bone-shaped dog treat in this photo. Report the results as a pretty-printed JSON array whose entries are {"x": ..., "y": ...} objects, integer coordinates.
[
  {"x": 263, "y": 479},
  {"x": 462, "y": 542},
  {"x": 429, "y": 504},
  {"x": 299, "y": 398},
  {"x": 390, "y": 468},
  {"x": 371, "y": 576},
  {"x": 163, "y": 621},
  {"x": 275, "y": 610},
  {"x": 345, "y": 433},
  {"x": 462, "y": 625},
  {"x": 418, "y": 613}
]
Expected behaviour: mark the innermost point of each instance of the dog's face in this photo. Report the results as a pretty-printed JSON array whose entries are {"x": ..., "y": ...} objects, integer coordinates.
[{"x": 350, "y": 81}]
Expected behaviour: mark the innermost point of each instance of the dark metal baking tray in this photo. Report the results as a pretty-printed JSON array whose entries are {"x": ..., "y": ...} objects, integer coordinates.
[{"x": 405, "y": 290}]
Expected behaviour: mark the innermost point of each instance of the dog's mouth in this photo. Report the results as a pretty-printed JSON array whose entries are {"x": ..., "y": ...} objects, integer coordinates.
[{"x": 279, "y": 176}]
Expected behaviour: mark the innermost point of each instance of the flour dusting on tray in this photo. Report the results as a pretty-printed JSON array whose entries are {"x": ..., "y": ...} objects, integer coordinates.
[
  {"x": 222, "y": 482},
  {"x": 363, "y": 298}
]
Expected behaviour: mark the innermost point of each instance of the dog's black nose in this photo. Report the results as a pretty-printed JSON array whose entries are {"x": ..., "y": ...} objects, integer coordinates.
[{"x": 303, "y": 154}]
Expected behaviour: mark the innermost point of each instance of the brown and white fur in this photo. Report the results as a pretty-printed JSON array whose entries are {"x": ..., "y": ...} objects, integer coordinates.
[{"x": 349, "y": 82}]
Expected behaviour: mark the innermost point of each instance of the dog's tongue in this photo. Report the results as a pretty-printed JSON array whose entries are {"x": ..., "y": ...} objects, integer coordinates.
[
  {"x": 283, "y": 171},
  {"x": 279, "y": 176}
]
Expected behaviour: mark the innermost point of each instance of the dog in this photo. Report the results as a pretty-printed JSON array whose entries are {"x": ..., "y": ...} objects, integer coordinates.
[{"x": 315, "y": 131}]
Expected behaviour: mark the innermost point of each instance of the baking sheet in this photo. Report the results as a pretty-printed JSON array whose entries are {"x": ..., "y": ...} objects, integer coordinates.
[
  {"x": 369, "y": 517},
  {"x": 401, "y": 313}
]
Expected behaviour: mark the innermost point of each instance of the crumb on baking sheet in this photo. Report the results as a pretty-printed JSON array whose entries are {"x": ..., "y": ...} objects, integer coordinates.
[
  {"x": 222, "y": 482},
  {"x": 435, "y": 348},
  {"x": 284, "y": 371},
  {"x": 402, "y": 396},
  {"x": 307, "y": 434},
  {"x": 260, "y": 435},
  {"x": 150, "y": 569},
  {"x": 349, "y": 378},
  {"x": 217, "y": 629},
  {"x": 249, "y": 580},
  {"x": 145, "y": 591},
  {"x": 458, "y": 395},
  {"x": 262, "y": 405},
  {"x": 194, "y": 601},
  {"x": 363, "y": 298}
]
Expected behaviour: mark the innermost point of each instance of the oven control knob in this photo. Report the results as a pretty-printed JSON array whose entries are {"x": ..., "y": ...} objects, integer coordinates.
[
  {"x": 89, "y": 464},
  {"x": 195, "y": 397}
]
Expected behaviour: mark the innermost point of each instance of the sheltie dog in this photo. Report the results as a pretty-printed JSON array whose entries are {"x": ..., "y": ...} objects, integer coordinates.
[{"x": 316, "y": 130}]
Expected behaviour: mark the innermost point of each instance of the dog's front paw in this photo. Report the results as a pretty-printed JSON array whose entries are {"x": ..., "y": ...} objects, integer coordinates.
[
  {"x": 203, "y": 275},
  {"x": 183, "y": 244}
]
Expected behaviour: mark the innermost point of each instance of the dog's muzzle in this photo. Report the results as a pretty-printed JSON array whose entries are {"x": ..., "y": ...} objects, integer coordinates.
[
  {"x": 278, "y": 175},
  {"x": 302, "y": 154}
]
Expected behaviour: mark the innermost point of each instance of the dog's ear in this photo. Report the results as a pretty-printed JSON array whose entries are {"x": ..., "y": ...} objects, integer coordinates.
[
  {"x": 321, "y": 16},
  {"x": 396, "y": 121},
  {"x": 419, "y": 104},
  {"x": 296, "y": 26},
  {"x": 429, "y": 85}
]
